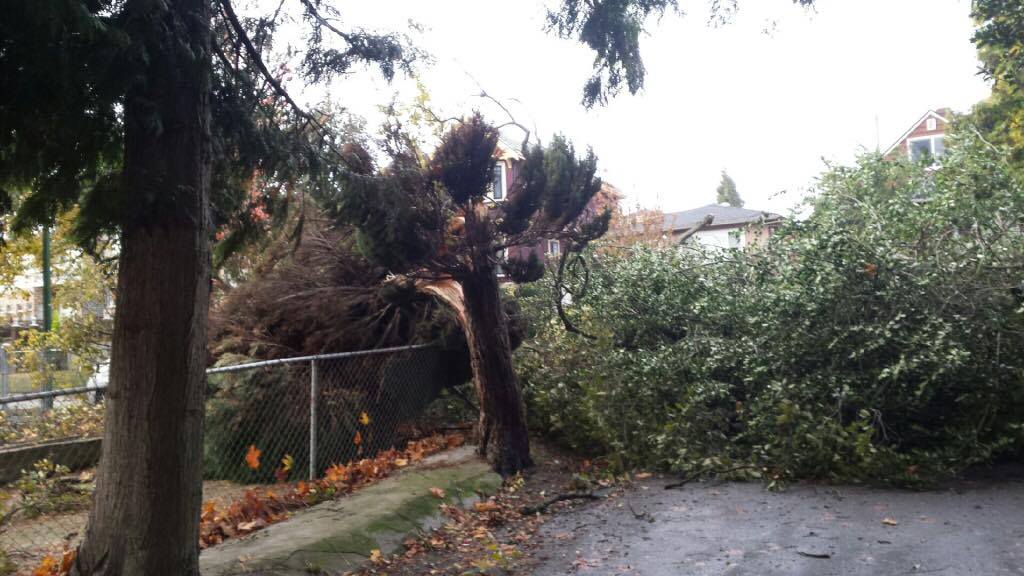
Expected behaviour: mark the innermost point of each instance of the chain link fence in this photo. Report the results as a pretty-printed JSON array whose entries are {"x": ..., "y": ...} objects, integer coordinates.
[{"x": 273, "y": 421}]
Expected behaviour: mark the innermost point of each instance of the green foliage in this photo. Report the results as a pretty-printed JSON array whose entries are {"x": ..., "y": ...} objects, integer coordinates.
[
  {"x": 67, "y": 420},
  {"x": 46, "y": 489},
  {"x": 84, "y": 284},
  {"x": 612, "y": 29},
  {"x": 433, "y": 217},
  {"x": 1000, "y": 40},
  {"x": 875, "y": 339},
  {"x": 62, "y": 130},
  {"x": 727, "y": 193}
]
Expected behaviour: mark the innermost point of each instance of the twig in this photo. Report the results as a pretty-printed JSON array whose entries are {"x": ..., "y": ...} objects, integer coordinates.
[
  {"x": 531, "y": 510},
  {"x": 639, "y": 515},
  {"x": 458, "y": 394},
  {"x": 560, "y": 290},
  {"x": 691, "y": 477},
  {"x": 823, "y": 556},
  {"x": 254, "y": 54}
]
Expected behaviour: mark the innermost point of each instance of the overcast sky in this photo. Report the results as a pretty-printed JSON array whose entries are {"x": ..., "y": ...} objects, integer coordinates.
[{"x": 767, "y": 97}]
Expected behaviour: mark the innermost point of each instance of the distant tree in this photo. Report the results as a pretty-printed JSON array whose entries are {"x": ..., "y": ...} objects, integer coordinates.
[
  {"x": 433, "y": 221},
  {"x": 727, "y": 193},
  {"x": 1000, "y": 40}
]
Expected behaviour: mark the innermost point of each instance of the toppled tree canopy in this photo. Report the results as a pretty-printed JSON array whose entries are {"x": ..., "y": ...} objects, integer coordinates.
[{"x": 321, "y": 296}]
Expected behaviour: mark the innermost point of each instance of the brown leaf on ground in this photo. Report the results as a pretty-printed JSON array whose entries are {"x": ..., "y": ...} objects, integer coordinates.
[{"x": 489, "y": 506}]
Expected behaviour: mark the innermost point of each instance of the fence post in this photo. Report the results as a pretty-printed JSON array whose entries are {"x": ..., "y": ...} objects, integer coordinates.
[
  {"x": 5, "y": 385},
  {"x": 312, "y": 418},
  {"x": 43, "y": 358}
]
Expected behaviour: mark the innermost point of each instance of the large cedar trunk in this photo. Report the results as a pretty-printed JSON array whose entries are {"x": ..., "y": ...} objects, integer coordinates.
[
  {"x": 504, "y": 438},
  {"x": 145, "y": 513}
]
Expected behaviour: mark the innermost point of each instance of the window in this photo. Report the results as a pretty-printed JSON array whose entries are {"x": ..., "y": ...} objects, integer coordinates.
[
  {"x": 502, "y": 259},
  {"x": 554, "y": 248},
  {"x": 734, "y": 239},
  {"x": 498, "y": 182},
  {"x": 930, "y": 124},
  {"x": 929, "y": 146}
]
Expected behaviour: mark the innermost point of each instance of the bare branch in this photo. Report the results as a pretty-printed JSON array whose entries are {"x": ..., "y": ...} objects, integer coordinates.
[
  {"x": 560, "y": 292},
  {"x": 697, "y": 228}
]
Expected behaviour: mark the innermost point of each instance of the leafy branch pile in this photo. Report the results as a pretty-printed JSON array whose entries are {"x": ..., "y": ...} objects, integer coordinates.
[
  {"x": 878, "y": 338},
  {"x": 68, "y": 420}
]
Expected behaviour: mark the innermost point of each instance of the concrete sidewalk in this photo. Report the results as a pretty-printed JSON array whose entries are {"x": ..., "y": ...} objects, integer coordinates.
[{"x": 337, "y": 536}]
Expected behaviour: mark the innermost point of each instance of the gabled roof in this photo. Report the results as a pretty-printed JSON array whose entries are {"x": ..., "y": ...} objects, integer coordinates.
[
  {"x": 723, "y": 216},
  {"x": 507, "y": 150},
  {"x": 940, "y": 114}
]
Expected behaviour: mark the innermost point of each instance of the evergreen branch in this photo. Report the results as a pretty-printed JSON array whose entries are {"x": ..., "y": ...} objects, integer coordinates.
[{"x": 254, "y": 55}]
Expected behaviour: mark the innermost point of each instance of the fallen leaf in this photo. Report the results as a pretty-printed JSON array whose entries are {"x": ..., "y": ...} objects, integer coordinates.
[
  {"x": 252, "y": 457},
  {"x": 401, "y": 462},
  {"x": 437, "y": 492},
  {"x": 488, "y": 506},
  {"x": 254, "y": 525},
  {"x": 364, "y": 419},
  {"x": 375, "y": 556},
  {"x": 889, "y": 522},
  {"x": 643, "y": 475},
  {"x": 358, "y": 440}
]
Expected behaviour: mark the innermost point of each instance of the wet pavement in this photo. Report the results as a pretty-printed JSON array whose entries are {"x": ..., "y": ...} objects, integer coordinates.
[{"x": 734, "y": 528}]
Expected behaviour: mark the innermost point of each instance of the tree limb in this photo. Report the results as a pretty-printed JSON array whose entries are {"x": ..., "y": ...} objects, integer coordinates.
[
  {"x": 560, "y": 292},
  {"x": 697, "y": 228},
  {"x": 236, "y": 25},
  {"x": 543, "y": 506}
]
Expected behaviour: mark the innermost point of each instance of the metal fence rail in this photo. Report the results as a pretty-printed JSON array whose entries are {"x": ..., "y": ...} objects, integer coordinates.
[{"x": 266, "y": 422}]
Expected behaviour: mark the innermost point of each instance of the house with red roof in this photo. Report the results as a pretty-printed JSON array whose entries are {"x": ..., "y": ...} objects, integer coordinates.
[{"x": 924, "y": 138}]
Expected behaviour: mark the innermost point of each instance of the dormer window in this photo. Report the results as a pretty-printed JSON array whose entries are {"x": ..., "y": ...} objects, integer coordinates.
[
  {"x": 498, "y": 182},
  {"x": 929, "y": 146}
]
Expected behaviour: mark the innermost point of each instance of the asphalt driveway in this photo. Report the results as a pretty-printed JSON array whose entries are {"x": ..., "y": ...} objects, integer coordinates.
[{"x": 970, "y": 528}]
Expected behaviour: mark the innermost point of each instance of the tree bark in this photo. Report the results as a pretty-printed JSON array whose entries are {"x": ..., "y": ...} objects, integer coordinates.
[
  {"x": 504, "y": 438},
  {"x": 145, "y": 512}
]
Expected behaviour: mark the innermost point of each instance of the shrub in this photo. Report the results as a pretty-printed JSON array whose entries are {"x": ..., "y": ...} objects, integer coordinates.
[
  {"x": 70, "y": 419},
  {"x": 45, "y": 489},
  {"x": 877, "y": 338}
]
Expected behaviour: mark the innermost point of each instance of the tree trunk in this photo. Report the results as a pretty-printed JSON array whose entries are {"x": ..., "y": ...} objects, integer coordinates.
[
  {"x": 504, "y": 439},
  {"x": 145, "y": 511}
]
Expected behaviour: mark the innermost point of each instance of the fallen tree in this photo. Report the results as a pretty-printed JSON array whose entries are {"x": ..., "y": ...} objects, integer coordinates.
[{"x": 434, "y": 221}]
